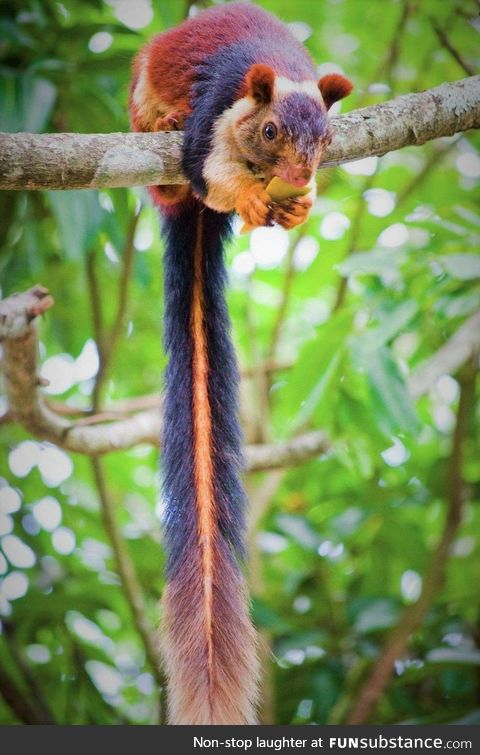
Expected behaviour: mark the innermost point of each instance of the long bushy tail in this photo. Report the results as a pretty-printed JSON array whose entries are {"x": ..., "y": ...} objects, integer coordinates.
[{"x": 209, "y": 640}]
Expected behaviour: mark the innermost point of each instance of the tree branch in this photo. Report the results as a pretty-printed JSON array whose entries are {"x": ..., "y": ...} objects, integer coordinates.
[
  {"x": 107, "y": 342},
  {"x": 413, "y": 617},
  {"x": 16, "y": 700},
  {"x": 36, "y": 694},
  {"x": 434, "y": 161},
  {"x": 289, "y": 453},
  {"x": 282, "y": 309},
  {"x": 353, "y": 236},
  {"x": 95, "y": 161},
  {"x": 444, "y": 40},
  {"x": 384, "y": 70},
  {"x": 257, "y": 423},
  {"x": 31, "y": 410}
]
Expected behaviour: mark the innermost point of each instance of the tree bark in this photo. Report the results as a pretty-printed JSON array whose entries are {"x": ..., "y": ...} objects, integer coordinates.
[{"x": 96, "y": 161}]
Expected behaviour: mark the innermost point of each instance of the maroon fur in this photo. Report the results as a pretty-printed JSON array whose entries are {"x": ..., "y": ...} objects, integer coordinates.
[
  {"x": 334, "y": 87},
  {"x": 260, "y": 83}
]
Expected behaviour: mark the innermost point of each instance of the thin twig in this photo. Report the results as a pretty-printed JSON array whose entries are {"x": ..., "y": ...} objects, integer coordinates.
[
  {"x": 114, "y": 409},
  {"x": 387, "y": 65},
  {"x": 37, "y": 695},
  {"x": 355, "y": 230},
  {"x": 288, "y": 276},
  {"x": 412, "y": 618},
  {"x": 95, "y": 303},
  {"x": 107, "y": 340},
  {"x": 260, "y": 420},
  {"x": 17, "y": 701},
  {"x": 131, "y": 586},
  {"x": 456, "y": 55},
  {"x": 132, "y": 589},
  {"x": 433, "y": 161},
  {"x": 393, "y": 49},
  {"x": 127, "y": 267},
  {"x": 426, "y": 62}
]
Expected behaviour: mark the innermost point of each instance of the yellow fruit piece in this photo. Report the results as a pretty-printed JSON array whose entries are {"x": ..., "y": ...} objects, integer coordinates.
[{"x": 280, "y": 190}]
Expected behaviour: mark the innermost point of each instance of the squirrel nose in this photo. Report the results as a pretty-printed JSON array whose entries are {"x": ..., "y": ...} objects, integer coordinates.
[{"x": 297, "y": 175}]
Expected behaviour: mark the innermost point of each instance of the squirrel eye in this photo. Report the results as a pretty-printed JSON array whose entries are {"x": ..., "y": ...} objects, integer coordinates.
[{"x": 270, "y": 131}]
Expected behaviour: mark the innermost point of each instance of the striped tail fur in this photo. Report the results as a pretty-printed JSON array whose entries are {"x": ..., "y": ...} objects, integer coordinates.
[{"x": 209, "y": 642}]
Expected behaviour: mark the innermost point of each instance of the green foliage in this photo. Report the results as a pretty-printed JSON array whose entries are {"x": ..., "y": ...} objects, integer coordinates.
[{"x": 346, "y": 539}]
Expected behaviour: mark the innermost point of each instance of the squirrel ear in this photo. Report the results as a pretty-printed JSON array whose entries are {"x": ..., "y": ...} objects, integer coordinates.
[
  {"x": 260, "y": 81},
  {"x": 334, "y": 87}
]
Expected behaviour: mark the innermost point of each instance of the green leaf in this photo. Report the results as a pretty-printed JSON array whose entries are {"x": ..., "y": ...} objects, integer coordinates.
[
  {"x": 79, "y": 217},
  {"x": 469, "y": 719},
  {"x": 316, "y": 372},
  {"x": 26, "y": 103},
  {"x": 376, "y": 262},
  {"x": 320, "y": 392},
  {"x": 391, "y": 403},
  {"x": 299, "y": 530},
  {"x": 463, "y": 267},
  {"x": 377, "y": 614},
  {"x": 391, "y": 323},
  {"x": 266, "y": 618},
  {"x": 467, "y": 656}
]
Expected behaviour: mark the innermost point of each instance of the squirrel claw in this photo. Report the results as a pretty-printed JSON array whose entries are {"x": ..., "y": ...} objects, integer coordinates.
[
  {"x": 254, "y": 206},
  {"x": 293, "y": 212},
  {"x": 170, "y": 122}
]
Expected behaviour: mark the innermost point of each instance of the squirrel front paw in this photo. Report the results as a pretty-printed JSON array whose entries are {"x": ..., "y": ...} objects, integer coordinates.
[
  {"x": 254, "y": 206},
  {"x": 292, "y": 212}
]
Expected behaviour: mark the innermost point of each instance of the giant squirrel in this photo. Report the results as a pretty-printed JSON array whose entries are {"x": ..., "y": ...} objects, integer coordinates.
[{"x": 245, "y": 93}]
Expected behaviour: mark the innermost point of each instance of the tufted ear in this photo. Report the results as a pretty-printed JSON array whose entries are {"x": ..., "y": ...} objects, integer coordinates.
[
  {"x": 334, "y": 87},
  {"x": 260, "y": 81}
]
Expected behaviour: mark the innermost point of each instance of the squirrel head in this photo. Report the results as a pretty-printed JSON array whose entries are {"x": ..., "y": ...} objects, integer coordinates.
[{"x": 286, "y": 127}]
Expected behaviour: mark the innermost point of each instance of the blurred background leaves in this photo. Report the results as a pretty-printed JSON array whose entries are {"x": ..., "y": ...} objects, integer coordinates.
[{"x": 339, "y": 314}]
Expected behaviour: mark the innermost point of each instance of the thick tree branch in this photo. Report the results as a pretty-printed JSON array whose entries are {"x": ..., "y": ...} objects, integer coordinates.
[
  {"x": 414, "y": 615},
  {"x": 288, "y": 453},
  {"x": 28, "y": 406},
  {"x": 95, "y": 161},
  {"x": 18, "y": 311}
]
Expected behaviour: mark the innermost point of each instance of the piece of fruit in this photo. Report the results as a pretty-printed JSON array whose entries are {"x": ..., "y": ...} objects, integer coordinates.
[{"x": 279, "y": 191}]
